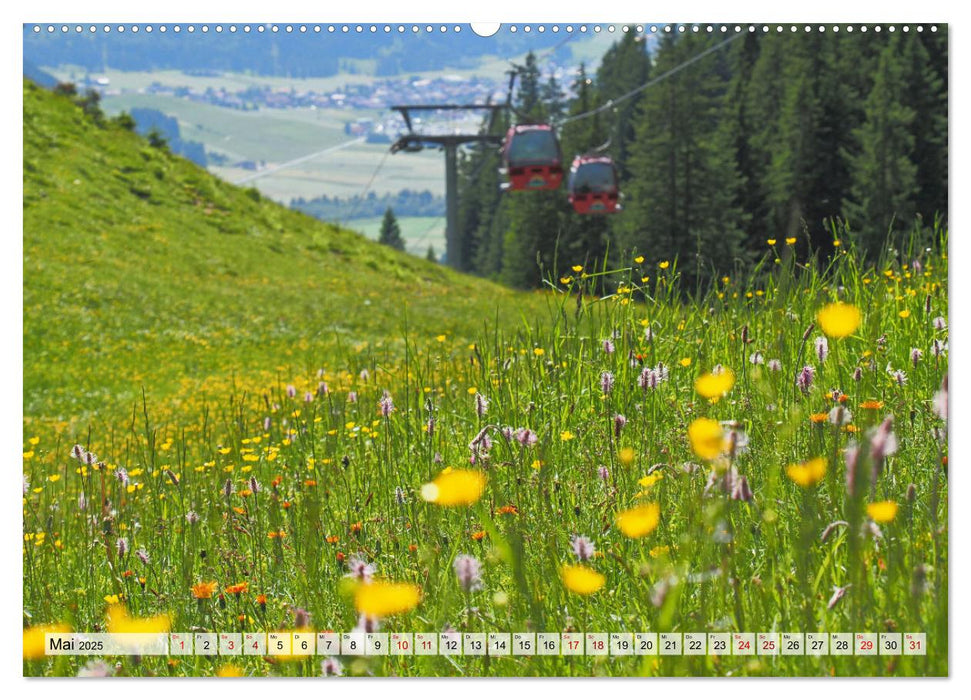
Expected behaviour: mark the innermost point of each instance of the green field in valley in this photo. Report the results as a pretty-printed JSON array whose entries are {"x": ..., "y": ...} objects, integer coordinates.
[{"x": 419, "y": 232}]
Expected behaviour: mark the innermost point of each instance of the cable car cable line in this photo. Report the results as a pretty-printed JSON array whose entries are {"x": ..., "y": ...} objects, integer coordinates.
[
  {"x": 610, "y": 104},
  {"x": 367, "y": 188}
]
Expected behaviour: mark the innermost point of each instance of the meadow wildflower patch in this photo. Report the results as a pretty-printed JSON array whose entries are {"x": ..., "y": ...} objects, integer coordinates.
[{"x": 258, "y": 449}]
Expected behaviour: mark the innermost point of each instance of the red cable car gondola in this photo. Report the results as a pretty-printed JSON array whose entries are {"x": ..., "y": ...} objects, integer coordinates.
[
  {"x": 593, "y": 185},
  {"x": 532, "y": 159}
]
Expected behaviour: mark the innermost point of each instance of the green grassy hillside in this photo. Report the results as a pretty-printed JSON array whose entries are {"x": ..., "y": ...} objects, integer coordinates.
[{"x": 141, "y": 269}]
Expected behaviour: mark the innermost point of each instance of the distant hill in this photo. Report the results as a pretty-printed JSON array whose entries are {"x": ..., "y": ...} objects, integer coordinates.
[
  {"x": 39, "y": 75},
  {"x": 297, "y": 55},
  {"x": 142, "y": 269}
]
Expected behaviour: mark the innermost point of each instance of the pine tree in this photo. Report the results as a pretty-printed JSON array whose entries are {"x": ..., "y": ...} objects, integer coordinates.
[
  {"x": 485, "y": 228},
  {"x": 884, "y": 175},
  {"x": 926, "y": 95},
  {"x": 390, "y": 231},
  {"x": 683, "y": 184},
  {"x": 743, "y": 123},
  {"x": 809, "y": 175},
  {"x": 531, "y": 225},
  {"x": 583, "y": 239},
  {"x": 626, "y": 65},
  {"x": 430, "y": 255}
]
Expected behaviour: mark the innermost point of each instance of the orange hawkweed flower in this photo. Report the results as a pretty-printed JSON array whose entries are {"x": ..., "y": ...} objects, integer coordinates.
[
  {"x": 508, "y": 510},
  {"x": 872, "y": 405},
  {"x": 340, "y": 556},
  {"x": 819, "y": 417},
  {"x": 309, "y": 482},
  {"x": 356, "y": 527},
  {"x": 478, "y": 535},
  {"x": 203, "y": 590},
  {"x": 276, "y": 534},
  {"x": 238, "y": 588},
  {"x": 261, "y": 599},
  {"x": 333, "y": 539}
]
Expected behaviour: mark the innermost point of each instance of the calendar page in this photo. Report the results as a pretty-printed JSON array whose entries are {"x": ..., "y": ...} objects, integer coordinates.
[{"x": 544, "y": 349}]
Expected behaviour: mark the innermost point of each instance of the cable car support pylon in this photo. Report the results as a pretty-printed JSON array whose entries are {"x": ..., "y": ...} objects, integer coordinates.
[{"x": 412, "y": 142}]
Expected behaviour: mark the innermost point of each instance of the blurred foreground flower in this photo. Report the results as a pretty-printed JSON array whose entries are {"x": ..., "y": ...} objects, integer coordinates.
[
  {"x": 808, "y": 473},
  {"x": 639, "y": 521},
  {"x": 119, "y": 622},
  {"x": 838, "y": 320},
  {"x": 455, "y": 487},
  {"x": 707, "y": 438},
  {"x": 882, "y": 512},
  {"x": 713, "y": 386},
  {"x": 384, "y": 598},
  {"x": 581, "y": 579},
  {"x": 34, "y": 639}
]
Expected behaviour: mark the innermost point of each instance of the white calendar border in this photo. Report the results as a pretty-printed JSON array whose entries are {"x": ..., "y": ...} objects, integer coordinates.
[{"x": 441, "y": 10}]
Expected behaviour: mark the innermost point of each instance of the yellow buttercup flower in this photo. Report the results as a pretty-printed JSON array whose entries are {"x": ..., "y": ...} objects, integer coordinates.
[
  {"x": 119, "y": 622},
  {"x": 712, "y": 386},
  {"x": 229, "y": 671},
  {"x": 838, "y": 320},
  {"x": 664, "y": 265},
  {"x": 771, "y": 241},
  {"x": 808, "y": 473},
  {"x": 685, "y": 362},
  {"x": 650, "y": 479},
  {"x": 639, "y": 521},
  {"x": 706, "y": 437},
  {"x": 581, "y": 579},
  {"x": 904, "y": 314},
  {"x": 626, "y": 455},
  {"x": 35, "y": 641},
  {"x": 566, "y": 436},
  {"x": 383, "y": 598},
  {"x": 577, "y": 268},
  {"x": 456, "y": 487},
  {"x": 639, "y": 259},
  {"x": 791, "y": 241},
  {"x": 883, "y": 511}
]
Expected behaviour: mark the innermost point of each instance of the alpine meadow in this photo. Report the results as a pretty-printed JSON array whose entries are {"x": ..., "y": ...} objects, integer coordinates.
[{"x": 723, "y": 409}]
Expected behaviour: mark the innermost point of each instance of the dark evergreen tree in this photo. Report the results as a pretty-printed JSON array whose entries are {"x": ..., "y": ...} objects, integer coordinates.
[
  {"x": 530, "y": 234},
  {"x": 742, "y": 123},
  {"x": 925, "y": 95},
  {"x": 584, "y": 239},
  {"x": 808, "y": 175},
  {"x": 626, "y": 65},
  {"x": 683, "y": 183},
  {"x": 390, "y": 234},
  {"x": 884, "y": 174}
]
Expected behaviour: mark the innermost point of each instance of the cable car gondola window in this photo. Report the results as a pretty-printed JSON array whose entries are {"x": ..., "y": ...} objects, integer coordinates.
[
  {"x": 593, "y": 177},
  {"x": 536, "y": 146}
]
